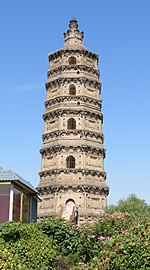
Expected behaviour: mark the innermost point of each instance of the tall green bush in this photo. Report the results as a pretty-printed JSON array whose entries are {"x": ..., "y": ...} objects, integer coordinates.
[{"x": 24, "y": 247}]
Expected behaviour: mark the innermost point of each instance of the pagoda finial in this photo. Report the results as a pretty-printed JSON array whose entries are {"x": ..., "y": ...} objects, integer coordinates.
[
  {"x": 73, "y": 24},
  {"x": 73, "y": 37}
]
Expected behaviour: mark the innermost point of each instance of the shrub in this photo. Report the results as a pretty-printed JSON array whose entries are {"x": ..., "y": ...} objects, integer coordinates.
[
  {"x": 127, "y": 247},
  {"x": 116, "y": 241},
  {"x": 28, "y": 249},
  {"x": 65, "y": 235}
]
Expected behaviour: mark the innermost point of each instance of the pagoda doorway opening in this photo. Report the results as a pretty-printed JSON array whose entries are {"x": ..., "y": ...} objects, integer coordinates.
[{"x": 70, "y": 204}]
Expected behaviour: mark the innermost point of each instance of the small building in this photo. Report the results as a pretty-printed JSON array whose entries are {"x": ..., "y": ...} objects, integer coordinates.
[{"x": 18, "y": 198}]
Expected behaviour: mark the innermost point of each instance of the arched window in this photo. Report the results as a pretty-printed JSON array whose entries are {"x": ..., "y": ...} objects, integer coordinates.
[
  {"x": 71, "y": 123},
  {"x": 72, "y": 60},
  {"x": 72, "y": 90},
  {"x": 70, "y": 162}
]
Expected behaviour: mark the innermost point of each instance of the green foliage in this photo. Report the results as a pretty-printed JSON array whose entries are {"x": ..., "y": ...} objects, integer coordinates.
[
  {"x": 118, "y": 240},
  {"x": 28, "y": 249},
  {"x": 133, "y": 205},
  {"x": 121, "y": 238},
  {"x": 129, "y": 250},
  {"x": 65, "y": 235}
]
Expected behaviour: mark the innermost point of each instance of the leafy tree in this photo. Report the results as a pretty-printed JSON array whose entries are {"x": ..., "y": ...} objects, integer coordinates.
[{"x": 133, "y": 205}]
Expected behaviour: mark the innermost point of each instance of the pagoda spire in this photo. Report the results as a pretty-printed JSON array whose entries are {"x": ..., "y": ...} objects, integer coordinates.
[{"x": 73, "y": 37}]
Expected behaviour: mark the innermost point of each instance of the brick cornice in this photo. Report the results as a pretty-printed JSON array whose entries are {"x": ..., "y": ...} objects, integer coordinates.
[
  {"x": 82, "y": 80},
  {"x": 103, "y": 190},
  {"x": 84, "y": 99},
  {"x": 85, "y": 172},
  {"x": 83, "y": 148},
  {"x": 82, "y": 133},
  {"x": 61, "y": 52},
  {"x": 60, "y": 69},
  {"x": 82, "y": 112}
]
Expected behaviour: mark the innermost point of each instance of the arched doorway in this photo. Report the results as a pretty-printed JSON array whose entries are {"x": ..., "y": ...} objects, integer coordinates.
[
  {"x": 70, "y": 203},
  {"x": 68, "y": 209}
]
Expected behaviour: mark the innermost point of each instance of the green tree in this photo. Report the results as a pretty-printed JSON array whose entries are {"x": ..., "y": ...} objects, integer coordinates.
[{"x": 132, "y": 205}]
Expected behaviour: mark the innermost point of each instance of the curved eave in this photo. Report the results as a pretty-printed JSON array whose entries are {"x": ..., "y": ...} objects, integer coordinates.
[{"x": 61, "y": 52}]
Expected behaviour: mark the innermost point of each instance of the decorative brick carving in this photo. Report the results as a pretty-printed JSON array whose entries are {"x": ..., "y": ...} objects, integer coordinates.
[
  {"x": 74, "y": 171},
  {"x": 62, "y": 99},
  {"x": 88, "y": 189},
  {"x": 70, "y": 52},
  {"x": 84, "y": 148},
  {"x": 82, "y": 80},
  {"x": 81, "y": 112},
  {"x": 83, "y": 134},
  {"x": 80, "y": 68}
]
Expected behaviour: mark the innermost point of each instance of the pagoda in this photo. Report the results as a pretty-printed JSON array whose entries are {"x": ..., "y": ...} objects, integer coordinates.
[{"x": 72, "y": 177}]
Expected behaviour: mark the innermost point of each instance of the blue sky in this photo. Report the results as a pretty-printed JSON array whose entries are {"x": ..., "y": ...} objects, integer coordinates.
[{"x": 119, "y": 31}]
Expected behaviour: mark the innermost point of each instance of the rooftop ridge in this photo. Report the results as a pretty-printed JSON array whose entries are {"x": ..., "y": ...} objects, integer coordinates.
[{"x": 10, "y": 175}]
